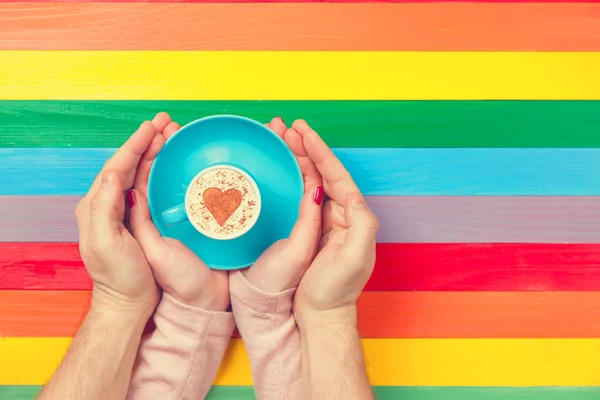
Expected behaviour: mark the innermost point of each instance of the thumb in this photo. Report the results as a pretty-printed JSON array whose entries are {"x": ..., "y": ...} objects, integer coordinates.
[
  {"x": 141, "y": 223},
  {"x": 307, "y": 230},
  {"x": 107, "y": 207},
  {"x": 362, "y": 228}
]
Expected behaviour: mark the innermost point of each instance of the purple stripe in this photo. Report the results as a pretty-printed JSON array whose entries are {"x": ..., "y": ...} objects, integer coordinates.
[{"x": 403, "y": 219}]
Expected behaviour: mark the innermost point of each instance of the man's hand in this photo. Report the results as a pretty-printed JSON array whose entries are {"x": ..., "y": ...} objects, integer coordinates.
[
  {"x": 283, "y": 264},
  {"x": 113, "y": 258},
  {"x": 346, "y": 254},
  {"x": 179, "y": 272}
]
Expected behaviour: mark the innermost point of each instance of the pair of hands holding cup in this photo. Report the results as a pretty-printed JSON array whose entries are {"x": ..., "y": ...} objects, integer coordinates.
[{"x": 329, "y": 255}]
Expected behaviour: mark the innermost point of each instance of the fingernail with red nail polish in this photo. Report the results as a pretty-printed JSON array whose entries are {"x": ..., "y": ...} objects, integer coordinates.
[
  {"x": 318, "y": 197},
  {"x": 131, "y": 198}
]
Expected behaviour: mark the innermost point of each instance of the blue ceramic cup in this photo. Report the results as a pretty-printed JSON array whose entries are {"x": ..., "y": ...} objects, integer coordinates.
[{"x": 226, "y": 141}]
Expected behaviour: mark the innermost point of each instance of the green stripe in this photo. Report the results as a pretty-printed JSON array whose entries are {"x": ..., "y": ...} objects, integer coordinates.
[
  {"x": 342, "y": 123},
  {"x": 388, "y": 393}
]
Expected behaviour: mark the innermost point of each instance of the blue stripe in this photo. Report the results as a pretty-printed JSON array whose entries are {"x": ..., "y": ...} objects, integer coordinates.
[{"x": 390, "y": 172}]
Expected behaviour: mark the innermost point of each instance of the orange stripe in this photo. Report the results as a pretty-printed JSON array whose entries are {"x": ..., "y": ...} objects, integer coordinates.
[
  {"x": 42, "y": 312},
  {"x": 350, "y": 27},
  {"x": 381, "y": 314}
]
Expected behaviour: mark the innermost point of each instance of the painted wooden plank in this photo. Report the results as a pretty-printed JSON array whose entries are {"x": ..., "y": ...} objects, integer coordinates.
[
  {"x": 46, "y": 266},
  {"x": 380, "y": 314},
  {"x": 180, "y": 75},
  {"x": 50, "y": 313},
  {"x": 386, "y": 393},
  {"x": 297, "y": 1},
  {"x": 333, "y": 27},
  {"x": 390, "y": 362},
  {"x": 493, "y": 267},
  {"x": 38, "y": 219},
  {"x": 379, "y": 172},
  {"x": 574, "y": 124},
  {"x": 483, "y": 219},
  {"x": 399, "y": 267},
  {"x": 404, "y": 219}
]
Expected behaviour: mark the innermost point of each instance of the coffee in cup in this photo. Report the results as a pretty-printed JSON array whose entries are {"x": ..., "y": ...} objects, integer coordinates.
[{"x": 221, "y": 202}]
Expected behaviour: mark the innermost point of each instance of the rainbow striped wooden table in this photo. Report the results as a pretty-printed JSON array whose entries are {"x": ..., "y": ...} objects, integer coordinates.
[{"x": 474, "y": 128}]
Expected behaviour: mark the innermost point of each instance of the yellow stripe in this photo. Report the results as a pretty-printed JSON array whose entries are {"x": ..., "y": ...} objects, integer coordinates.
[
  {"x": 153, "y": 75},
  {"x": 393, "y": 362}
]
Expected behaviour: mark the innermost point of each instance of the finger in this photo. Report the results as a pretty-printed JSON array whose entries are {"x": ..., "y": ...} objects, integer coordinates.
[
  {"x": 310, "y": 173},
  {"x": 362, "y": 229},
  {"x": 125, "y": 161},
  {"x": 160, "y": 121},
  {"x": 145, "y": 232},
  {"x": 143, "y": 228},
  {"x": 145, "y": 164},
  {"x": 170, "y": 130},
  {"x": 278, "y": 126},
  {"x": 338, "y": 183},
  {"x": 307, "y": 230},
  {"x": 107, "y": 208}
]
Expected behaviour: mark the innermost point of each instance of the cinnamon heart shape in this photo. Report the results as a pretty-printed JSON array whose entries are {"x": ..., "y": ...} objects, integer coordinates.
[{"x": 221, "y": 204}]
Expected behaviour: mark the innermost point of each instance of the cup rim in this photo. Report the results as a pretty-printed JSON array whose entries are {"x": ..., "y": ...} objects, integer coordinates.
[{"x": 252, "y": 183}]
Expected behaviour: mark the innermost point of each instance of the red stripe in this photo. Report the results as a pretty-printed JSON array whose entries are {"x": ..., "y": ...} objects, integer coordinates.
[
  {"x": 298, "y": 1},
  {"x": 44, "y": 266},
  {"x": 492, "y": 267},
  {"x": 400, "y": 267}
]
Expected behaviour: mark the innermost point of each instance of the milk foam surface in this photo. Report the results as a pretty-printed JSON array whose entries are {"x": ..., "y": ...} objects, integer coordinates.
[{"x": 223, "y": 179}]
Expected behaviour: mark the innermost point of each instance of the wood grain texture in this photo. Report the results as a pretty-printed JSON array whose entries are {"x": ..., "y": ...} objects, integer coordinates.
[
  {"x": 390, "y": 362},
  {"x": 377, "y": 172},
  {"x": 487, "y": 219},
  {"x": 386, "y": 393},
  {"x": 295, "y": 1},
  {"x": 574, "y": 124},
  {"x": 332, "y": 27},
  {"x": 216, "y": 75},
  {"x": 42, "y": 313},
  {"x": 492, "y": 267},
  {"x": 380, "y": 314},
  {"x": 404, "y": 219},
  {"x": 399, "y": 267}
]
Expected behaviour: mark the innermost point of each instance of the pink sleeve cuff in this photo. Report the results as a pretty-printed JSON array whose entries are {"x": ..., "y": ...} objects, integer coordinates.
[
  {"x": 257, "y": 300},
  {"x": 271, "y": 337},
  {"x": 181, "y": 357},
  {"x": 195, "y": 321}
]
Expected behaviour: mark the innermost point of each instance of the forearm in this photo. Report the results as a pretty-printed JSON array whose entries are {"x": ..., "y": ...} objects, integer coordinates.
[
  {"x": 181, "y": 357},
  {"x": 333, "y": 359},
  {"x": 99, "y": 362},
  {"x": 271, "y": 337}
]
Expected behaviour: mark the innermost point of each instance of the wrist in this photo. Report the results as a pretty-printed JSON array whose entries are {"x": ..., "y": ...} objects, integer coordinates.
[
  {"x": 342, "y": 318},
  {"x": 115, "y": 307}
]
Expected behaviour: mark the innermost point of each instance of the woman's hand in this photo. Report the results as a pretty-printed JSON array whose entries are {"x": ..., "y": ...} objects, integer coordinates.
[
  {"x": 346, "y": 251},
  {"x": 176, "y": 268},
  {"x": 113, "y": 258},
  {"x": 282, "y": 265}
]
